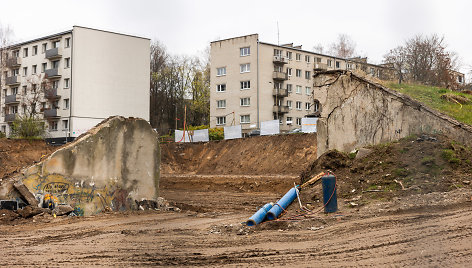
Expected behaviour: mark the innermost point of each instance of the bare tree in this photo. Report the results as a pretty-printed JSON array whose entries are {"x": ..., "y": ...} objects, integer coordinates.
[
  {"x": 344, "y": 47},
  {"x": 318, "y": 48},
  {"x": 397, "y": 57}
]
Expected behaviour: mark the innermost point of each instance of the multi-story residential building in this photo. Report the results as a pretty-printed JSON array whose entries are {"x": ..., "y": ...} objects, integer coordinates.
[
  {"x": 75, "y": 79},
  {"x": 253, "y": 81}
]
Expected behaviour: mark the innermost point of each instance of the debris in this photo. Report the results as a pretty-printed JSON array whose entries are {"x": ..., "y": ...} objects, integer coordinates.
[
  {"x": 9, "y": 204},
  {"x": 466, "y": 182},
  {"x": 62, "y": 209},
  {"x": 352, "y": 204},
  {"x": 315, "y": 228},
  {"x": 27, "y": 195},
  {"x": 401, "y": 184},
  {"x": 363, "y": 152},
  {"x": 30, "y": 211}
]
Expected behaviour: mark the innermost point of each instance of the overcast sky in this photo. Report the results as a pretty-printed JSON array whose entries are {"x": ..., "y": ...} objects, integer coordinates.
[{"x": 187, "y": 27}]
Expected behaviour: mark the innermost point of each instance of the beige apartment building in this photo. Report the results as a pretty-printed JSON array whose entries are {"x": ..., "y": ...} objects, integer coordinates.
[
  {"x": 75, "y": 79},
  {"x": 252, "y": 81}
]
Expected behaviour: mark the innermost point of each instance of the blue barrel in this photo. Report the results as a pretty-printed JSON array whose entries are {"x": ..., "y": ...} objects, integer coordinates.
[
  {"x": 260, "y": 215},
  {"x": 329, "y": 191},
  {"x": 282, "y": 204}
]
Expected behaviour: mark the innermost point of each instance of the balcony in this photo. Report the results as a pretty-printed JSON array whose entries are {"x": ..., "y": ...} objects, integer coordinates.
[
  {"x": 280, "y": 59},
  {"x": 10, "y": 117},
  {"x": 280, "y": 109},
  {"x": 50, "y": 113},
  {"x": 279, "y": 76},
  {"x": 280, "y": 92},
  {"x": 53, "y": 53},
  {"x": 12, "y": 80},
  {"x": 51, "y": 94},
  {"x": 319, "y": 67},
  {"x": 13, "y": 62},
  {"x": 12, "y": 99},
  {"x": 52, "y": 73}
]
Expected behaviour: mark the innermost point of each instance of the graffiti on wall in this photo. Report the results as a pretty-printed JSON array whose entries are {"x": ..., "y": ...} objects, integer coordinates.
[{"x": 84, "y": 196}]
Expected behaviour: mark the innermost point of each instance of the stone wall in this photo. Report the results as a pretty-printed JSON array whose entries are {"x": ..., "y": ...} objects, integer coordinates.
[
  {"x": 356, "y": 112},
  {"x": 107, "y": 168}
]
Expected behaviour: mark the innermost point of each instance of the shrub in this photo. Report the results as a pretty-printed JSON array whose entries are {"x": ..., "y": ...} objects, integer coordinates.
[
  {"x": 2, "y": 135},
  {"x": 28, "y": 127},
  {"x": 216, "y": 133}
]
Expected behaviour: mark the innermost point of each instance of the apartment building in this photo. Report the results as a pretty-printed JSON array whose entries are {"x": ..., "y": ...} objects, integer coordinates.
[
  {"x": 75, "y": 79},
  {"x": 253, "y": 81}
]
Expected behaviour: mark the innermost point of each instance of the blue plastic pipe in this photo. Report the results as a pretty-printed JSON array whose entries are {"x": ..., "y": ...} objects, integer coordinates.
[
  {"x": 284, "y": 202},
  {"x": 260, "y": 215}
]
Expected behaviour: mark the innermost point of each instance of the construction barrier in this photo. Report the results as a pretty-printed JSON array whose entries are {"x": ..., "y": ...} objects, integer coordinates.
[
  {"x": 271, "y": 127},
  {"x": 233, "y": 132},
  {"x": 309, "y": 124},
  {"x": 200, "y": 135}
]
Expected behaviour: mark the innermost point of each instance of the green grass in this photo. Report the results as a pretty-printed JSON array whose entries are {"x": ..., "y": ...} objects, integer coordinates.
[{"x": 431, "y": 97}]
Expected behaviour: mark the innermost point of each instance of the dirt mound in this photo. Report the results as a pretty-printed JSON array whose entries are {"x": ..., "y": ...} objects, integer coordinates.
[
  {"x": 16, "y": 154},
  {"x": 263, "y": 155},
  {"x": 414, "y": 165}
]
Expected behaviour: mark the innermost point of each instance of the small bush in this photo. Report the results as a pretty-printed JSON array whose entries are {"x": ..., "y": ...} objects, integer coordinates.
[
  {"x": 450, "y": 156},
  {"x": 401, "y": 172},
  {"x": 216, "y": 133},
  {"x": 28, "y": 127},
  {"x": 2, "y": 135}
]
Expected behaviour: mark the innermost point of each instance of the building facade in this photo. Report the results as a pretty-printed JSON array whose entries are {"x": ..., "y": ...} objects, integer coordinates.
[
  {"x": 75, "y": 79},
  {"x": 253, "y": 81}
]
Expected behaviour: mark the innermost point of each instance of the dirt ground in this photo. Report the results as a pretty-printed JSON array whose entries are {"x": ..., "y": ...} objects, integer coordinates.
[{"x": 379, "y": 223}]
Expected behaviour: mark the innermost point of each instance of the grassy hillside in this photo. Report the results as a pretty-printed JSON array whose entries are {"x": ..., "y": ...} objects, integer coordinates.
[{"x": 431, "y": 96}]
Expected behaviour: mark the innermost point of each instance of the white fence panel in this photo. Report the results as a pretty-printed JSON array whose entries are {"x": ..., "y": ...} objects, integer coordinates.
[
  {"x": 309, "y": 124},
  {"x": 233, "y": 132},
  {"x": 270, "y": 127},
  {"x": 192, "y": 135},
  {"x": 179, "y": 134}
]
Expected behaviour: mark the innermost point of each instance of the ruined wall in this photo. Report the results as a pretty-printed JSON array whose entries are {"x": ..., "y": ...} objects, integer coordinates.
[
  {"x": 107, "y": 168},
  {"x": 356, "y": 112}
]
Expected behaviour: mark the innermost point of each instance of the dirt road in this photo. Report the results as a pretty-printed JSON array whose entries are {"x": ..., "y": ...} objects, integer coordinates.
[{"x": 425, "y": 237}]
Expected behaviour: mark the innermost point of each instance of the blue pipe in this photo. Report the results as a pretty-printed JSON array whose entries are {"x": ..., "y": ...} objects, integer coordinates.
[
  {"x": 260, "y": 215},
  {"x": 284, "y": 202}
]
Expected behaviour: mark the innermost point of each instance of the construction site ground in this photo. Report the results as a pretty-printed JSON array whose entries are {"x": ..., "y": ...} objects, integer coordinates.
[{"x": 406, "y": 203}]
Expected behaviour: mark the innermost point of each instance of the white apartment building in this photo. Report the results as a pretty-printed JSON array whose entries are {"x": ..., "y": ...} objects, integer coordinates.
[
  {"x": 253, "y": 81},
  {"x": 74, "y": 80}
]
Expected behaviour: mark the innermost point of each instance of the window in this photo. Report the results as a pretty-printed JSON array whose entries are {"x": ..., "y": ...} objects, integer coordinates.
[
  {"x": 53, "y": 126},
  {"x": 289, "y": 71},
  {"x": 289, "y": 120},
  {"x": 289, "y": 88},
  {"x": 25, "y": 52},
  {"x": 65, "y": 124},
  {"x": 307, "y": 58},
  {"x": 299, "y": 89},
  {"x": 277, "y": 52},
  {"x": 14, "y": 90},
  {"x": 245, "y": 68},
  {"x": 16, "y": 72},
  {"x": 245, "y": 101},
  {"x": 245, "y": 51},
  {"x": 25, "y": 71},
  {"x": 298, "y": 57},
  {"x": 44, "y": 47},
  {"x": 66, "y": 104},
  {"x": 35, "y": 51},
  {"x": 55, "y": 64},
  {"x": 299, "y": 73},
  {"x": 317, "y": 59},
  {"x": 221, "y": 88},
  {"x": 329, "y": 62},
  {"x": 245, "y": 119},
  {"x": 67, "y": 63},
  {"x": 16, "y": 53},
  {"x": 67, "y": 42},
  {"x": 44, "y": 65},
  {"x": 34, "y": 69},
  {"x": 221, "y": 104},
  {"x": 220, "y": 120},
  {"x": 66, "y": 83},
  {"x": 307, "y": 74},
  {"x": 14, "y": 110},
  {"x": 277, "y": 85},
  {"x": 245, "y": 84},
  {"x": 459, "y": 79},
  {"x": 24, "y": 90},
  {"x": 221, "y": 71},
  {"x": 338, "y": 64},
  {"x": 299, "y": 121},
  {"x": 289, "y": 104},
  {"x": 55, "y": 84},
  {"x": 56, "y": 43},
  {"x": 372, "y": 71},
  {"x": 317, "y": 105},
  {"x": 299, "y": 105},
  {"x": 289, "y": 55},
  {"x": 308, "y": 91},
  {"x": 33, "y": 88},
  {"x": 278, "y": 68},
  {"x": 307, "y": 106},
  {"x": 349, "y": 66}
]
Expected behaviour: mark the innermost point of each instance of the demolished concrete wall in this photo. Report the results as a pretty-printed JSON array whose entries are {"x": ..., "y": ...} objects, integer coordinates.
[
  {"x": 107, "y": 168},
  {"x": 356, "y": 112}
]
